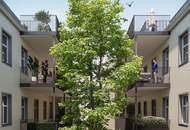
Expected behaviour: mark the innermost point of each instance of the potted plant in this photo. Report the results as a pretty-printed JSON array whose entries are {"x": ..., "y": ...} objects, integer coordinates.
[
  {"x": 44, "y": 18},
  {"x": 33, "y": 65}
]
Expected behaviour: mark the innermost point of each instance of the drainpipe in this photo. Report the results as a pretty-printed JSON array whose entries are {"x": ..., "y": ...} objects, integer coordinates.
[
  {"x": 54, "y": 105},
  {"x": 136, "y": 106}
]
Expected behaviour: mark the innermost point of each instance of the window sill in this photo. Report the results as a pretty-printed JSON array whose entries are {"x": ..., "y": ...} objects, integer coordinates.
[
  {"x": 182, "y": 64},
  {"x": 183, "y": 125},
  {"x": 6, "y": 125},
  {"x": 7, "y": 64}
]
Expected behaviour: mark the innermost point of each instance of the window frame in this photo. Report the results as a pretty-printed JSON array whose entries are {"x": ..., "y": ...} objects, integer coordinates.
[
  {"x": 24, "y": 108},
  {"x": 9, "y": 110},
  {"x": 165, "y": 107},
  {"x": 182, "y": 47},
  {"x": 44, "y": 110},
  {"x": 139, "y": 108},
  {"x": 165, "y": 60},
  {"x": 8, "y": 48},
  {"x": 180, "y": 114},
  {"x": 153, "y": 111},
  {"x": 145, "y": 112},
  {"x": 24, "y": 69}
]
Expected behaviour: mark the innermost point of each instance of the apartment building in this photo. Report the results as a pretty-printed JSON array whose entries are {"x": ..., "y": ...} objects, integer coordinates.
[
  {"x": 164, "y": 91},
  {"x": 25, "y": 95}
]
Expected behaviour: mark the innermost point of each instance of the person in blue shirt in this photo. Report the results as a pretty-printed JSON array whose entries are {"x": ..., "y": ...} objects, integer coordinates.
[{"x": 155, "y": 70}]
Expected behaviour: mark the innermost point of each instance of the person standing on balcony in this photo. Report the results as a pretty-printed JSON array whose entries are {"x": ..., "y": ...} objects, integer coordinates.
[{"x": 155, "y": 70}]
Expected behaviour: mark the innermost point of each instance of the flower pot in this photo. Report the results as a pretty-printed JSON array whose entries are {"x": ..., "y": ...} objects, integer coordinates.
[{"x": 34, "y": 78}]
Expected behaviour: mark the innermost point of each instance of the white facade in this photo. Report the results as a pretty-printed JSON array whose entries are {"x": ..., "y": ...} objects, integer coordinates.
[
  {"x": 175, "y": 84},
  {"x": 10, "y": 76}
]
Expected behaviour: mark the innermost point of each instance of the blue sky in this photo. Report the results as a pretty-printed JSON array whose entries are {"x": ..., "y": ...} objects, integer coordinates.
[{"x": 60, "y": 7}]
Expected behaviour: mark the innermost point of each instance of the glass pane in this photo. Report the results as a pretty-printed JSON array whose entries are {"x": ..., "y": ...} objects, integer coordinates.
[
  {"x": 5, "y": 113},
  {"x": 5, "y": 100}
]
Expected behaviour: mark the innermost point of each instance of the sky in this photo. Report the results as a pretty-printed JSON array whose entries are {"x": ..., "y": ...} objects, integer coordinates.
[{"x": 60, "y": 7}]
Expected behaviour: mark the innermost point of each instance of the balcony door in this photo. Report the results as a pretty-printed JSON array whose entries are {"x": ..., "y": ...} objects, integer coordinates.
[{"x": 36, "y": 110}]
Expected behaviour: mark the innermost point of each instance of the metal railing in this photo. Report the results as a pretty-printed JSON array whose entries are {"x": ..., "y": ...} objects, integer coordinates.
[
  {"x": 31, "y": 24},
  {"x": 42, "y": 77},
  {"x": 148, "y": 23},
  {"x": 160, "y": 75}
]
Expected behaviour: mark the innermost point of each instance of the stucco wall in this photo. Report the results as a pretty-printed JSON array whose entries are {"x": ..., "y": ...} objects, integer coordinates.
[
  {"x": 180, "y": 76},
  {"x": 10, "y": 78}
]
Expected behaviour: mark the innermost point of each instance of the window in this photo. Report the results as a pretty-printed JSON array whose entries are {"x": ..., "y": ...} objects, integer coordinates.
[
  {"x": 6, "y": 110},
  {"x": 51, "y": 110},
  {"x": 24, "y": 108},
  {"x": 153, "y": 107},
  {"x": 165, "y": 63},
  {"x": 139, "y": 108},
  {"x": 165, "y": 107},
  {"x": 145, "y": 108},
  {"x": 24, "y": 61},
  {"x": 36, "y": 110},
  {"x": 184, "y": 109},
  {"x": 44, "y": 110},
  {"x": 184, "y": 48},
  {"x": 6, "y": 49}
]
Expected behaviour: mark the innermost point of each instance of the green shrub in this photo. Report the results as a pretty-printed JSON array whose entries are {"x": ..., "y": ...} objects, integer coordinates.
[{"x": 152, "y": 122}]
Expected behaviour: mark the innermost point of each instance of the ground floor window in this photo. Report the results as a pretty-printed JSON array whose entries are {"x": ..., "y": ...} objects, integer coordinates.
[
  {"x": 6, "y": 109},
  {"x": 44, "y": 110},
  {"x": 165, "y": 107},
  {"x": 145, "y": 108},
  {"x": 24, "y": 108},
  {"x": 183, "y": 109},
  {"x": 50, "y": 110},
  {"x": 36, "y": 110},
  {"x": 139, "y": 108},
  {"x": 153, "y": 107}
]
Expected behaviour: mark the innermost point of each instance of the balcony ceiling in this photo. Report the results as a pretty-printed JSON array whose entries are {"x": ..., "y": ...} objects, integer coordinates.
[
  {"x": 148, "y": 44},
  {"x": 145, "y": 91},
  {"x": 40, "y": 43}
]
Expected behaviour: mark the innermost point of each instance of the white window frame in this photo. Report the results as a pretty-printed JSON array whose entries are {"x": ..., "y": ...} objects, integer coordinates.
[
  {"x": 182, "y": 106},
  {"x": 24, "y": 108},
  {"x": 184, "y": 45},
  {"x": 166, "y": 61},
  {"x": 4, "y": 106},
  {"x": 6, "y": 46},
  {"x": 165, "y": 107},
  {"x": 24, "y": 60}
]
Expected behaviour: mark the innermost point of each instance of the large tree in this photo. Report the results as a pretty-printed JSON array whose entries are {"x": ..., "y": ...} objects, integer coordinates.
[{"x": 95, "y": 63}]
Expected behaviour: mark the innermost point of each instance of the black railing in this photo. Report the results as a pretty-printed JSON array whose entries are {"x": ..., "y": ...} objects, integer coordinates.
[
  {"x": 148, "y": 23},
  {"x": 31, "y": 24},
  {"x": 159, "y": 75}
]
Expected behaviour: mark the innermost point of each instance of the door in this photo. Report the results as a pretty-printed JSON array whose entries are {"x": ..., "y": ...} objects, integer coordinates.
[{"x": 36, "y": 110}]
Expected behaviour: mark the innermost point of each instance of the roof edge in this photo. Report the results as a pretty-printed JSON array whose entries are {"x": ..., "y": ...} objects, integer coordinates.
[{"x": 178, "y": 17}]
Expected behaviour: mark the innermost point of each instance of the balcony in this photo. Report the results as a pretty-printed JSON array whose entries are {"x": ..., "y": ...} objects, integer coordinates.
[
  {"x": 160, "y": 77},
  {"x": 39, "y": 80},
  {"x": 31, "y": 24},
  {"x": 150, "y": 82},
  {"x": 142, "y": 24}
]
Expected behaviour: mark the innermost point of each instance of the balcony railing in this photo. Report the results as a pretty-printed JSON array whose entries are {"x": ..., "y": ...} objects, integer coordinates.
[
  {"x": 43, "y": 78},
  {"x": 148, "y": 23},
  {"x": 31, "y": 24},
  {"x": 161, "y": 75}
]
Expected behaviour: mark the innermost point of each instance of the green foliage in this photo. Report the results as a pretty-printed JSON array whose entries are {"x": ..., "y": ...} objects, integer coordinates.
[
  {"x": 43, "y": 16},
  {"x": 95, "y": 63},
  {"x": 45, "y": 19}
]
